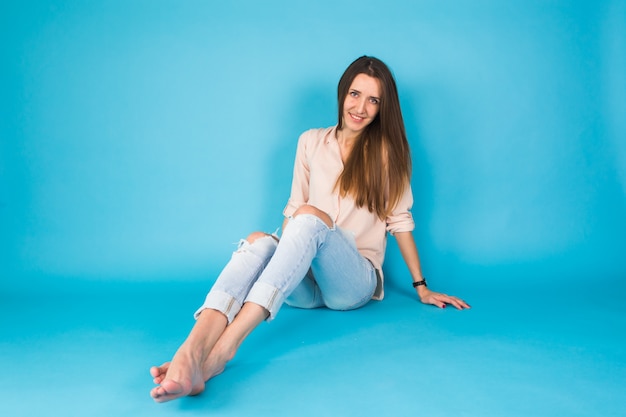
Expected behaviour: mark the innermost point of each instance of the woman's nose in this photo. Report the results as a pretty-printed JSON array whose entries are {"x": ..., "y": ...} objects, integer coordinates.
[{"x": 361, "y": 106}]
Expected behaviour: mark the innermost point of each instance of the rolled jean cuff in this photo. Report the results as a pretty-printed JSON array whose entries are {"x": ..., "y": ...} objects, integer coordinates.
[
  {"x": 222, "y": 302},
  {"x": 266, "y": 296}
]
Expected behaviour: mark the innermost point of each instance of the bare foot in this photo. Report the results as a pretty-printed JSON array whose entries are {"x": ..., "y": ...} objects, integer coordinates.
[
  {"x": 213, "y": 366},
  {"x": 181, "y": 377},
  {"x": 209, "y": 346},
  {"x": 185, "y": 374},
  {"x": 215, "y": 363}
]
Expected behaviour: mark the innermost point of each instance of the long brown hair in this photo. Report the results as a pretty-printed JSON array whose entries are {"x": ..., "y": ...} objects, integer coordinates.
[{"x": 378, "y": 169}]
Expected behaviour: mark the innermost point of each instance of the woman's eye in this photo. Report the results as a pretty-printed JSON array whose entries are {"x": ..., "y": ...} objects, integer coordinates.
[
  {"x": 374, "y": 101},
  {"x": 354, "y": 94}
]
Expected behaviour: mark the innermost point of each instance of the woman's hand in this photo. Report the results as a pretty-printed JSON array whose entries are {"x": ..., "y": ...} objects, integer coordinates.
[
  {"x": 440, "y": 300},
  {"x": 406, "y": 243}
]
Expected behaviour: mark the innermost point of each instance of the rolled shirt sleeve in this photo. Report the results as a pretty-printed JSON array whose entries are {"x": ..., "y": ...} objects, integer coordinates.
[{"x": 401, "y": 219}]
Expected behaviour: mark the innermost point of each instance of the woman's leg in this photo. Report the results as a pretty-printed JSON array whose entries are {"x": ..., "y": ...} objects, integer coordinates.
[
  {"x": 233, "y": 285},
  {"x": 248, "y": 318},
  {"x": 287, "y": 266},
  {"x": 310, "y": 233},
  {"x": 344, "y": 278},
  {"x": 341, "y": 278},
  {"x": 292, "y": 258},
  {"x": 190, "y": 367}
]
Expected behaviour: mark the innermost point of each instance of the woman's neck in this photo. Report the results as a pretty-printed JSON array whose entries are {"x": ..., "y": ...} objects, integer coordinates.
[{"x": 346, "y": 141}]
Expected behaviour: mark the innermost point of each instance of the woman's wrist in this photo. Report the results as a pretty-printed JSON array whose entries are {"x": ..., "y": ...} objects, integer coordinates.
[
  {"x": 420, "y": 282},
  {"x": 420, "y": 285}
]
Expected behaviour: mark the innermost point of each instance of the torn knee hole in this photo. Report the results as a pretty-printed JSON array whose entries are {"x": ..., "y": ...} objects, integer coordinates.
[{"x": 253, "y": 237}]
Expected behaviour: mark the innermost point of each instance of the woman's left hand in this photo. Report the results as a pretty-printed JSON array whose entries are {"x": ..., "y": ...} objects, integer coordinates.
[
  {"x": 406, "y": 243},
  {"x": 441, "y": 300}
]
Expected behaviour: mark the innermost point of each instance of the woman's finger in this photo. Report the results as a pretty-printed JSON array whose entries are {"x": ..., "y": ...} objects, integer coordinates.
[{"x": 454, "y": 301}]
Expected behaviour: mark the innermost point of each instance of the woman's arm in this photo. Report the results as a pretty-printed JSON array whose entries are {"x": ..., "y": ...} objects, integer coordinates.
[{"x": 408, "y": 249}]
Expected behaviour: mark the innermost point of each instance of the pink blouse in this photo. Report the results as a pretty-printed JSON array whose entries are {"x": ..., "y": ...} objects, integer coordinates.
[{"x": 318, "y": 164}]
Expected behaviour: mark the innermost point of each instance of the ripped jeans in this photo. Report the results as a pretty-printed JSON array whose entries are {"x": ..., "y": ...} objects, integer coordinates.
[{"x": 312, "y": 266}]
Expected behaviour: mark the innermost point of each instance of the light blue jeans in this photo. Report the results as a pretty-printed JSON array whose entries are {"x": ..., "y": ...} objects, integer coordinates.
[{"x": 312, "y": 266}]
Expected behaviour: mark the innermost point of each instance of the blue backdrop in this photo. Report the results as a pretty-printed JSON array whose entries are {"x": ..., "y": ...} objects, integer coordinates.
[{"x": 139, "y": 139}]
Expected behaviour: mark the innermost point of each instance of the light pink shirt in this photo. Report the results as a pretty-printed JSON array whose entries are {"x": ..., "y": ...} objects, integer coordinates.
[{"x": 318, "y": 165}]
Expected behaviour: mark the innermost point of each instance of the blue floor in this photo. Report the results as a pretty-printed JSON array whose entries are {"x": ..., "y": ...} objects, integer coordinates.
[{"x": 543, "y": 352}]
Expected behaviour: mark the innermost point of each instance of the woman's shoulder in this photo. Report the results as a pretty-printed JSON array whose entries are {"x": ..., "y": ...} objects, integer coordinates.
[
  {"x": 321, "y": 134},
  {"x": 313, "y": 139}
]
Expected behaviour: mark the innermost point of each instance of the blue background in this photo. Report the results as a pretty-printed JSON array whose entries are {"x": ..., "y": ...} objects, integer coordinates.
[{"x": 139, "y": 139}]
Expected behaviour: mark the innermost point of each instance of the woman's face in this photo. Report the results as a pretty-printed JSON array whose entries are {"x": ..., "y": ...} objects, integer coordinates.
[{"x": 362, "y": 103}]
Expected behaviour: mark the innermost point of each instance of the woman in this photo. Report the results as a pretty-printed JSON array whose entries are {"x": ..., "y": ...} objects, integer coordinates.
[{"x": 351, "y": 186}]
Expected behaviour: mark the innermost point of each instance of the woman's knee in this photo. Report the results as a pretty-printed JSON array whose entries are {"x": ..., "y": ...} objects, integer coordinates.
[
  {"x": 254, "y": 236},
  {"x": 307, "y": 209}
]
